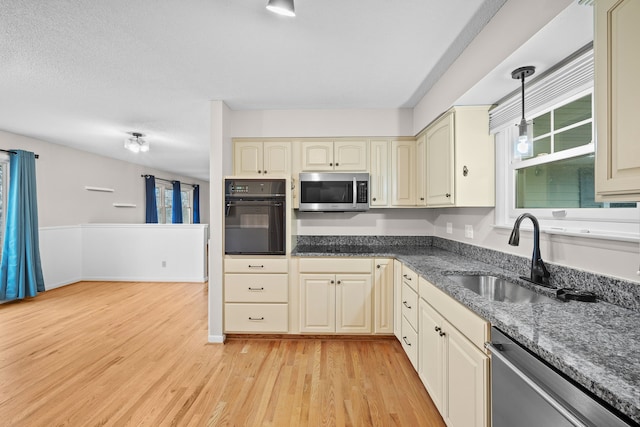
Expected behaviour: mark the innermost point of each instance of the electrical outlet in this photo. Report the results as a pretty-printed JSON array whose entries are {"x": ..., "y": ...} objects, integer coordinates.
[
  {"x": 468, "y": 231},
  {"x": 449, "y": 228},
  {"x": 164, "y": 264}
]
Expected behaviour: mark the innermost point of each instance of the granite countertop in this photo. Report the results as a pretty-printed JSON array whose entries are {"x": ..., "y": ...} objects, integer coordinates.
[{"x": 595, "y": 344}]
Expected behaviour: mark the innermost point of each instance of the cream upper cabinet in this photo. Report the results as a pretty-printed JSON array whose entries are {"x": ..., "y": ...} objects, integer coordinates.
[
  {"x": 334, "y": 155},
  {"x": 617, "y": 91},
  {"x": 379, "y": 173},
  {"x": 257, "y": 158},
  {"x": 460, "y": 159},
  {"x": 421, "y": 171},
  {"x": 403, "y": 173},
  {"x": 383, "y": 296}
]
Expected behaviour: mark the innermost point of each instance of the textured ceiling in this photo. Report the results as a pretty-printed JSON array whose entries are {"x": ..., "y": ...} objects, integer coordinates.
[{"x": 84, "y": 73}]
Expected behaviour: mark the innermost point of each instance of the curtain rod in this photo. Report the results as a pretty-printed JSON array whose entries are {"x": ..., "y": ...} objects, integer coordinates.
[
  {"x": 15, "y": 152},
  {"x": 169, "y": 180}
]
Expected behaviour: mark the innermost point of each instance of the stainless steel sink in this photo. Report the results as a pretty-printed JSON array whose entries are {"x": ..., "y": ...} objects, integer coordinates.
[{"x": 497, "y": 289}]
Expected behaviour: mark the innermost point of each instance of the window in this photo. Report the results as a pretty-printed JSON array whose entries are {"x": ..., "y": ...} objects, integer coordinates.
[
  {"x": 4, "y": 186},
  {"x": 164, "y": 203},
  {"x": 556, "y": 182}
]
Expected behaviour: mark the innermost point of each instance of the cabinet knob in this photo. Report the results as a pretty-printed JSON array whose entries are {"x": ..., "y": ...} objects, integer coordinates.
[
  {"x": 265, "y": 172},
  {"x": 378, "y": 266},
  {"x": 421, "y": 198},
  {"x": 465, "y": 171},
  {"x": 339, "y": 282},
  {"x": 337, "y": 164},
  {"x": 447, "y": 195},
  {"x": 259, "y": 171},
  {"x": 330, "y": 164},
  {"x": 374, "y": 199},
  {"x": 332, "y": 282}
]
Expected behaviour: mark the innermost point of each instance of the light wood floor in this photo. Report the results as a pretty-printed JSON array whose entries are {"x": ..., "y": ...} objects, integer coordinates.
[{"x": 104, "y": 353}]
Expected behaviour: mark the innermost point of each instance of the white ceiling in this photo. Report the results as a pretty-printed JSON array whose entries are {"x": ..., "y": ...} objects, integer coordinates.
[{"x": 84, "y": 73}]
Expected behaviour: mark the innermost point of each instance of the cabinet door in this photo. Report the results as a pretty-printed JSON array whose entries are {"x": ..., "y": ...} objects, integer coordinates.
[
  {"x": 317, "y": 303},
  {"x": 421, "y": 171},
  {"x": 353, "y": 303},
  {"x": 277, "y": 158},
  {"x": 350, "y": 155},
  {"x": 617, "y": 90},
  {"x": 317, "y": 155},
  {"x": 440, "y": 146},
  {"x": 379, "y": 169},
  {"x": 403, "y": 173},
  {"x": 467, "y": 374},
  {"x": 247, "y": 158},
  {"x": 397, "y": 299},
  {"x": 383, "y": 296},
  {"x": 431, "y": 353}
]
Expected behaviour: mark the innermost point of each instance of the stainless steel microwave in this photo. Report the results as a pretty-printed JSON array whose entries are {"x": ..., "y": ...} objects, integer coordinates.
[{"x": 334, "y": 192}]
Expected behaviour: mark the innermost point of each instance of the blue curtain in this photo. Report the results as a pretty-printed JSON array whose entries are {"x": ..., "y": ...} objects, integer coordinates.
[
  {"x": 151, "y": 208},
  {"x": 196, "y": 204},
  {"x": 176, "y": 206},
  {"x": 20, "y": 268}
]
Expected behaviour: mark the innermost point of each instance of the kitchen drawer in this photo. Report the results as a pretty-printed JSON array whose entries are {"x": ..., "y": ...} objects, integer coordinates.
[
  {"x": 256, "y": 287},
  {"x": 256, "y": 265},
  {"x": 472, "y": 326},
  {"x": 410, "y": 305},
  {"x": 409, "y": 340},
  {"x": 333, "y": 265},
  {"x": 256, "y": 317},
  {"x": 410, "y": 277}
]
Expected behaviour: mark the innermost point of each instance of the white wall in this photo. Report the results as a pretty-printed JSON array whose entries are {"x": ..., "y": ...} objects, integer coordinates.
[
  {"x": 144, "y": 252},
  {"x": 63, "y": 172},
  {"x": 612, "y": 258},
  {"x": 61, "y": 255}
]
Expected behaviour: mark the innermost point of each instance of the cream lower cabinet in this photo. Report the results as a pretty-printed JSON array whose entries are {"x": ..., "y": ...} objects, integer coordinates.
[
  {"x": 383, "y": 296},
  {"x": 409, "y": 307},
  {"x": 256, "y": 295},
  {"x": 397, "y": 299},
  {"x": 452, "y": 366},
  {"x": 335, "y": 296},
  {"x": 617, "y": 90}
]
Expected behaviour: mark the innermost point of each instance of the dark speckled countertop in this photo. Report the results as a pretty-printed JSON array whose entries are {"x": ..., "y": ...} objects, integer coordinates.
[{"x": 595, "y": 344}]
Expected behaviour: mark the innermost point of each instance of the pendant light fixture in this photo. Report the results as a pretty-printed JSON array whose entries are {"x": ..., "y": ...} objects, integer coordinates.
[
  {"x": 136, "y": 143},
  {"x": 524, "y": 143},
  {"x": 281, "y": 7}
]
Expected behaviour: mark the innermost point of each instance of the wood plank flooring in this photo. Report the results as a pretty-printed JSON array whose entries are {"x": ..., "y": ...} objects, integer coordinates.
[{"x": 136, "y": 354}]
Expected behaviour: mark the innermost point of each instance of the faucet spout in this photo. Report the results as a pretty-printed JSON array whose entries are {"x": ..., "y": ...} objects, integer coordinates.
[{"x": 539, "y": 273}]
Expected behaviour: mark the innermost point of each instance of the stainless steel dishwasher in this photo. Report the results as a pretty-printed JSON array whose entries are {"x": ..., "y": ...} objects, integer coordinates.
[{"x": 526, "y": 392}]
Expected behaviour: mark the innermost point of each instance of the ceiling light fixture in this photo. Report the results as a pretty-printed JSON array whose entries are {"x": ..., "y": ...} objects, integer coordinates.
[
  {"x": 136, "y": 143},
  {"x": 281, "y": 7},
  {"x": 524, "y": 143}
]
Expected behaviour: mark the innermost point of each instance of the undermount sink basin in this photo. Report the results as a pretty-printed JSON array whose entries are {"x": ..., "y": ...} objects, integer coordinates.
[{"x": 497, "y": 289}]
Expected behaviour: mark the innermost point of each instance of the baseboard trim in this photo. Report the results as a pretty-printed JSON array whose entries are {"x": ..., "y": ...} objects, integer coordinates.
[
  {"x": 343, "y": 337},
  {"x": 216, "y": 339}
]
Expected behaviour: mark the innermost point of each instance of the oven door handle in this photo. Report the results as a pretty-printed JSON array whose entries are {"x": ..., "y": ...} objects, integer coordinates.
[
  {"x": 276, "y": 204},
  {"x": 495, "y": 351}
]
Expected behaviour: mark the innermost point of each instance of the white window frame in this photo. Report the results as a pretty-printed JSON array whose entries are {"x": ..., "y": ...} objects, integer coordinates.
[
  {"x": 4, "y": 163},
  {"x": 601, "y": 223},
  {"x": 162, "y": 186}
]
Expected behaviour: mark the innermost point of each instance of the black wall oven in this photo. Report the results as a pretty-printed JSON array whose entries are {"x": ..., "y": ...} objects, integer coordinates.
[{"x": 254, "y": 216}]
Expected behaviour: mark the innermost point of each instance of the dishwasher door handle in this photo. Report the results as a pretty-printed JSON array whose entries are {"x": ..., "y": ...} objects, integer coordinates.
[{"x": 495, "y": 351}]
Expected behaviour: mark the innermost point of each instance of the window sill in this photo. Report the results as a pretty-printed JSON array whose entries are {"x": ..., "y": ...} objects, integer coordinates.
[{"x": 583, "y": 233}]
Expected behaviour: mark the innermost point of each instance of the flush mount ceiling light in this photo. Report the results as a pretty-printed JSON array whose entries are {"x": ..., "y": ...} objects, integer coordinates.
[
  {"x": 136, "y": 143},
  {"x": 281, "y": 7},
  {"x": 524, "y": 143}
]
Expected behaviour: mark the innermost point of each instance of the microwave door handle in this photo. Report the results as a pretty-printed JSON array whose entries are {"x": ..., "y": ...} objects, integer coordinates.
[{"x": 355, "y": 192}]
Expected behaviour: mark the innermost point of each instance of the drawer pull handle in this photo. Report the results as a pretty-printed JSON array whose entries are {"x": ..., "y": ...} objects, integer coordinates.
[
  {"x": 256, "y": 266},
  {"x": 406, "y": 305},
  {"x": 406, "y": 342},
  {"x": 437, "y": 329},
  {"x": 256, "y": 289},
  {"x": 256, "y": 318},
  {"x": 442, "y": 333}
]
